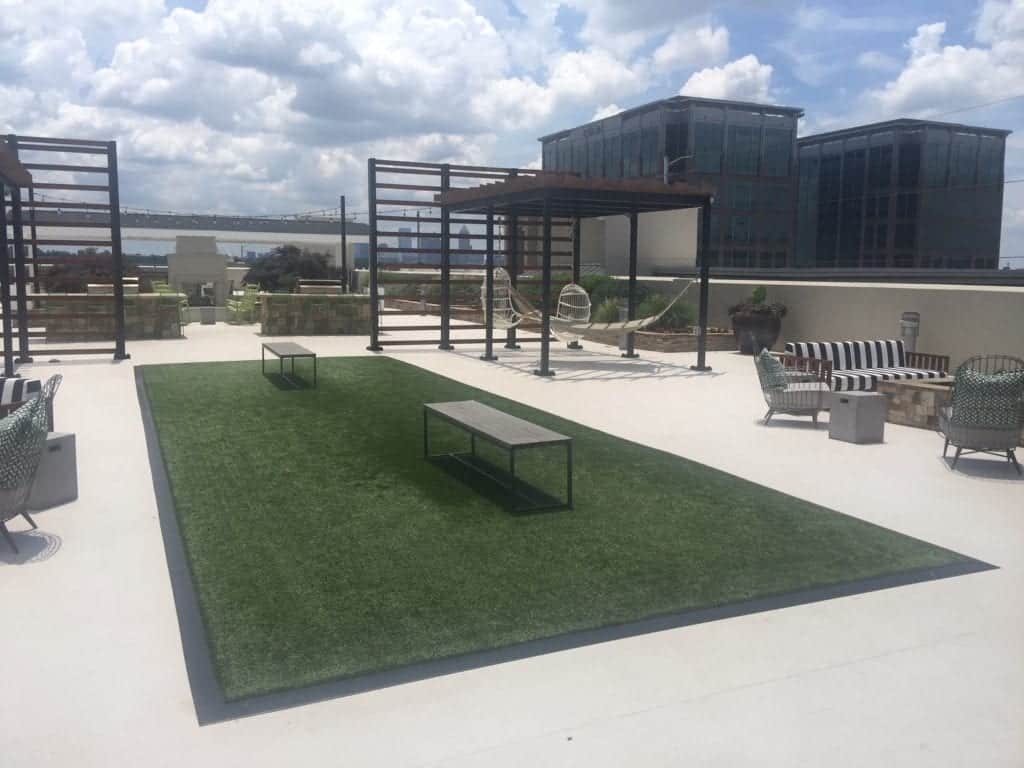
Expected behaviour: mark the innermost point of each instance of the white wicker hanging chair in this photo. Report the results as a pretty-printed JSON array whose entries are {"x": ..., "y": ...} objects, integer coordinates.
[
  {"x": 573, "y": 307},
  {"x": 505, "y": 314}
]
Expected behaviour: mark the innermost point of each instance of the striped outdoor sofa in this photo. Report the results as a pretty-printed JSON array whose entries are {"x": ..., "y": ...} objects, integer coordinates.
[{"x": 860, "y": 365}]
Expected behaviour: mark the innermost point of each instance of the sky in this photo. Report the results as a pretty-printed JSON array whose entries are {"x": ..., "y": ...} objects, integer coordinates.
[{"x": 273, "y": 106}]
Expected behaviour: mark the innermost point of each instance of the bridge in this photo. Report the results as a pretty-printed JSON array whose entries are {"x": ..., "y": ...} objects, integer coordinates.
[{"x": 227, "y": 229}]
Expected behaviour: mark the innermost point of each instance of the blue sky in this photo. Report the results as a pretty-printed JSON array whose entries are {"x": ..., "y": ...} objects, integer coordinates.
[{"x": 249, "y": 106}]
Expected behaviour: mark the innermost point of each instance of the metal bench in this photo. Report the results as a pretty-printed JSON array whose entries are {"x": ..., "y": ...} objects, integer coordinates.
[
  {"x": 505, "y": 431},
  {"x": 286, "y": 349}
]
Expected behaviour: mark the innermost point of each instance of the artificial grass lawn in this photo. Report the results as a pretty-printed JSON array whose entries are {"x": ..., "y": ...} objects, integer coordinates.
[{"x": 323, "y": 545}]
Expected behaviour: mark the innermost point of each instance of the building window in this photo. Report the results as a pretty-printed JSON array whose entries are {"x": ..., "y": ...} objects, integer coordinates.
[
  {"x": 936, "y": 150},
  {"x": 882, "y": 236},
  {"x": 708, "y": 149},
  {"x": 675, "y": 143},
  {"x": 650, "y": 162},
  {"x": 631, "y": 154},
  {"x": 741, "y": 195},
  {"x": 903, "y": 261},
  {"x": 595, "y": 155},
  {"x": 883, "y": 207},
  {"x": 906, "y": 206},
  {"x": 579, "y": 156},
  {"x": 564, "y": 155},
  {"x": 904, "y": 234},
  {"x": 963, "y": 161},
  {"x": 880, "y": 167},
  {"x": 909, "y": 171},
  {"x": 613, "y": 156},
  {"x": 778, "y": 147},
  {"x": 990, "y": 165},
  {"x": 550, "y": 162},
  {"x": 741, "y": 152}
]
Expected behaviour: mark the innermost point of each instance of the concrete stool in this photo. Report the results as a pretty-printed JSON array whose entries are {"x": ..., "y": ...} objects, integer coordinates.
[{"x": 858, "y": 417}]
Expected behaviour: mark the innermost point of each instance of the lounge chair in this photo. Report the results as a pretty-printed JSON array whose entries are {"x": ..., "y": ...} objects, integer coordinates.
[{"x": 987, "y": 409}]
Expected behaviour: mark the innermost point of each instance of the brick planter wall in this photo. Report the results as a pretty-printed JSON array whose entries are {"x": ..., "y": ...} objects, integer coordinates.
[
  {"x": 146, "y": 316},
  {"x": 294, "y": 314}
]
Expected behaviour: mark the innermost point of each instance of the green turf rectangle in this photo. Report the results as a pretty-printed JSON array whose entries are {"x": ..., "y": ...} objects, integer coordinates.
[{"x": 322, "y": 544}]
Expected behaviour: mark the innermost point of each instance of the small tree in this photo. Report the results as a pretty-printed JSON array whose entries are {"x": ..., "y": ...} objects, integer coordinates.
[{"x": 279, "y": 270}]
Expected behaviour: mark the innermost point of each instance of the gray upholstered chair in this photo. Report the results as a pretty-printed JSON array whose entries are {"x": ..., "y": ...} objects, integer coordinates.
[
  {"x": 792, "y": 385},
  {"x": 987, "y": 408},
  {"x": 22, "y": 440}
]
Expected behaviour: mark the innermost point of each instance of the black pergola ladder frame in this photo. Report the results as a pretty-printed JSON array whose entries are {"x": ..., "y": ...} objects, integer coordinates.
[{"x": 24, "y": 200}]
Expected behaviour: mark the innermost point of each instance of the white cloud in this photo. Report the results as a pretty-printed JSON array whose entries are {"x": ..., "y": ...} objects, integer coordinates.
[
  {"x": 744, "y": 79},
  {"x": 937, "y": 77},
  {"x": 606, "y": 111},
  {"x": 690, "y": 47},
  {"x": 876, "y": 60}
]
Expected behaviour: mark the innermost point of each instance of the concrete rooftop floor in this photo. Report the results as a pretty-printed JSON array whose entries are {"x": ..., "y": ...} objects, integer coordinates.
[{"x": 926, "y": 674}]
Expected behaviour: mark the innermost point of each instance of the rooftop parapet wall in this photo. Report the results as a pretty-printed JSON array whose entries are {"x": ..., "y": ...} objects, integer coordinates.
[{"x": 959, "y": 321}]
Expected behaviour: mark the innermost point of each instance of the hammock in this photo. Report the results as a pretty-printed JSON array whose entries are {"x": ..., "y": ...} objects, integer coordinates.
[{"x": 563, "y": 327}]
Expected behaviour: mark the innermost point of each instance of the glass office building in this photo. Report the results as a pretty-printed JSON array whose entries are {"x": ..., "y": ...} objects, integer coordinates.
[
  {"x": 746, "y": 151},
  {"x": 911, "y": 194}
]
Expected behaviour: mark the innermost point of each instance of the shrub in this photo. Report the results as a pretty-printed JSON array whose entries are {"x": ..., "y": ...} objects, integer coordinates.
[
  {"x": 280, "y": 269},
  {"x": 601, "y": 287},
  {"x": 680, "y": 317},
  {"x": 607, "y": 312}
]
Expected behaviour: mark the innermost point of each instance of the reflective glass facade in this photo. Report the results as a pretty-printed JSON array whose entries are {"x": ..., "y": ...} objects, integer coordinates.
[
  {"x": 904, "y": 194},
  {"x": 747, "y": 151}
]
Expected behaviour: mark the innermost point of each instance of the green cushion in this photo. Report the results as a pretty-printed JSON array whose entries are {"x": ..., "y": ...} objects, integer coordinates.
[
  {"x": 773, "y": 373},
  {"x": 988, "y": 399}
]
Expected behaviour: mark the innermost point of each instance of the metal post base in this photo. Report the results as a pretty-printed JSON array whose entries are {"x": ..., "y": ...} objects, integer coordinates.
[
  {"x": 488, "y": 357},
  {"x": 540, "y": 372},
  {"x": 574, "y": 345},
  {"x": 375, "y": 348},
  {"x": 124, "y": 356},
  {"x": 446, "y": 347},
  {"x": 630, "y": 354},
  {"x": 700, "y": 367},
  {"x": 512, "y": 346}
]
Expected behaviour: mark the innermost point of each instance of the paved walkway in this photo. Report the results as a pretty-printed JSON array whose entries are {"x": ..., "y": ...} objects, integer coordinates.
[{"x": 928, "y": 674}]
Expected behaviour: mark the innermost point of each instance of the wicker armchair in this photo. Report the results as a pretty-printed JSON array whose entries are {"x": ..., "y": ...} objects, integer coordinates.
[
  {"x": 22, "y": 440},
  {"x": 793, "y": 385},
  {"x": 987, "y": 409}
]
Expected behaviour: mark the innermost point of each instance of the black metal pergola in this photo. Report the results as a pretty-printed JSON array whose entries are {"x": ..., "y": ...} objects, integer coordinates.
[
  {"x": 13, "y": 176},
  {"x": 565, "y": 196}
]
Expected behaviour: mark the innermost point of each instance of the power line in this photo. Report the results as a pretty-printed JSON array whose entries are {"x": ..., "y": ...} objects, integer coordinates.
[{"x": 979, "y": 106}]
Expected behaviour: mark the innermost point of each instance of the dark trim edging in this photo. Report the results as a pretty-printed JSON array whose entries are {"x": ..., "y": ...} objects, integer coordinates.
[{"x": 211, "y": 706}]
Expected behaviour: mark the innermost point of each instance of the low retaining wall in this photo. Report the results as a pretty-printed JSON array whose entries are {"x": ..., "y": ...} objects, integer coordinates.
[
  {"x": 296, "y": 314},
  {"x": 82, "y": 317}
]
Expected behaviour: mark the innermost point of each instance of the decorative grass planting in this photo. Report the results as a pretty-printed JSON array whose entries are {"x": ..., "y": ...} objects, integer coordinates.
[{"x": 323, "y": 545}]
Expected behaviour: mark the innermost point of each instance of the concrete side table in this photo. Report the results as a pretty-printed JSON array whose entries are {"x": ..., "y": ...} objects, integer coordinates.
[{"x": 858, "y": 417}]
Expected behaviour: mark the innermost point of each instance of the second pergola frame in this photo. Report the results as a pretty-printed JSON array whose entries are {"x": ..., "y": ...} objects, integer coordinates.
[{"x": 548, "y": 198}]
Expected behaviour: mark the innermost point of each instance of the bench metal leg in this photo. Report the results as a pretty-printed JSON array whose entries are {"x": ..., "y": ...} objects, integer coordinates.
[
  {"x": 263, "y": 360},
  {"x": 426, "y": 438},
  {"x": 314, "y": 371}
]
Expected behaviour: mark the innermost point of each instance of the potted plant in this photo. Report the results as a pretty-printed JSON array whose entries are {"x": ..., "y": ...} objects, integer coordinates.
[{"x": 755, "y": 323}]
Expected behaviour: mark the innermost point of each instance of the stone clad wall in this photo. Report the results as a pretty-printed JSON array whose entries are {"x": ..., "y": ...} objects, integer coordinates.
[
  {"x": 294, "y": 314},
  {"x": 146, "y": 316}
]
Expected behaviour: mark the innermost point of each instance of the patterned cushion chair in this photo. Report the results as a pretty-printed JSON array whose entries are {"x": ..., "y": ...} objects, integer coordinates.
[
  {"x": 986, "y": 412},
  {"x": 860, "y": 365},
  {"x": 22, "y": 439},
  {"x": 791, "y": 385}
]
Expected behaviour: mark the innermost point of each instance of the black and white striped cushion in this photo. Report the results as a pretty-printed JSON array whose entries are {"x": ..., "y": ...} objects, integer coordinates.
[
  {"x": 850, "y": 355},
  {"x": 14, "y": 390},
  {"x": 866, "y": 379}
]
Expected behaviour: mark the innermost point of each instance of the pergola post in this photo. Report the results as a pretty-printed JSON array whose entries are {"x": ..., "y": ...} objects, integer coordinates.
[
  {"x": 545, "y": 306},
  {"x": 446, "y": 264},
  {"x": 576, "y": 250},
  {"x": 512, "y": 266},
  {"x": 371, "y": 186},
  {"x": 634, "y": 225},
  {"x": 20, "y": 278},
  {"x": 704, "y": 258},
  {"x": 344, "y": 247},
  {"x": 115, "y": 252},
  {"x": 575, "y": 343},
  {"x": 489, "y": 312},
  {"x": 5, "y": 287}
]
